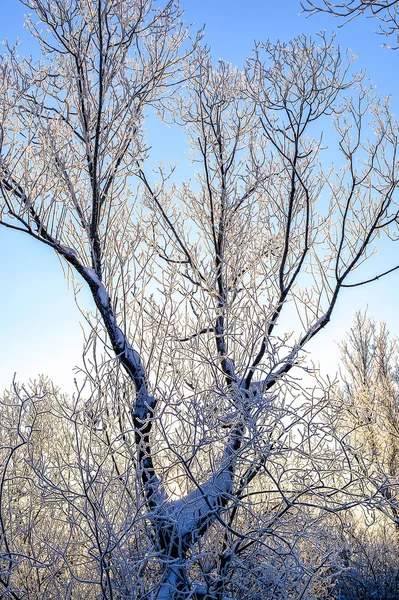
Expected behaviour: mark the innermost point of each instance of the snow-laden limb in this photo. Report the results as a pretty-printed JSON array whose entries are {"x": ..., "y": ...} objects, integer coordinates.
[
  {"x": 188, "y": 518},
  {"x": 145, "y": 403},
  {"x": 193, "y": 512},
  {"x": 129, "y": 357}
]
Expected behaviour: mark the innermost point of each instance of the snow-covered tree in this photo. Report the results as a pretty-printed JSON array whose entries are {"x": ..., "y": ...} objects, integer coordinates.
[
  {"x": 371, "y": 359},
  {"x": 195, "y": 463},
  {"x": 370, "y": 420}
]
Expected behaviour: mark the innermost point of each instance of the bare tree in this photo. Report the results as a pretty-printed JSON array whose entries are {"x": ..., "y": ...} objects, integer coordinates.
[
  {"x": 191, "y": 282},
  {"x": 385, "y": 11},
  {"x": 370, "y": 359},
  {"x": 370, "y": 419}
]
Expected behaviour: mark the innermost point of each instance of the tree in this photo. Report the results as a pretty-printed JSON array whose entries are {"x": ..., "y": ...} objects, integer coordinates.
[
  {"x": 385, "y": 11},
  {"x": 370, "y": 360},
  {"x": 190, "y": 281},
  {"x": 370, "y": 394}
]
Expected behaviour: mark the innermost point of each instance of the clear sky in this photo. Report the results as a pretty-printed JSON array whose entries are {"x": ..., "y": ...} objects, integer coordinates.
[{"x": 39, "y": 322}]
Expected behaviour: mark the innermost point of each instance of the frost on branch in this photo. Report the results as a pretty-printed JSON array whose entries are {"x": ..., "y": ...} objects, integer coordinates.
[{"x": 192, "y": 461}]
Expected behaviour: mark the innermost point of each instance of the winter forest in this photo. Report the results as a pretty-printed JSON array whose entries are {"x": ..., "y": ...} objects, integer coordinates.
[{"x": 202, "y": 453}]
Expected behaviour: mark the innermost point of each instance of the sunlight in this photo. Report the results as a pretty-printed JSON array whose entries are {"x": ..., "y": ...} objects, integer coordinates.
[{"x": 175, "y": 492}]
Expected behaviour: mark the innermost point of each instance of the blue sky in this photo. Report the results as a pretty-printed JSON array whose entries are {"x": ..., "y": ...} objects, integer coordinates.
[{"x": 39, "y": 321}]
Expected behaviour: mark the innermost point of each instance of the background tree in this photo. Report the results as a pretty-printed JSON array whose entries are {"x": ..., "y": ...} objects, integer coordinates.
[
  {"x": 190, "y": 282},
  {"x": 370, "y": 360},
  {"x": 370, "y": 395}
]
